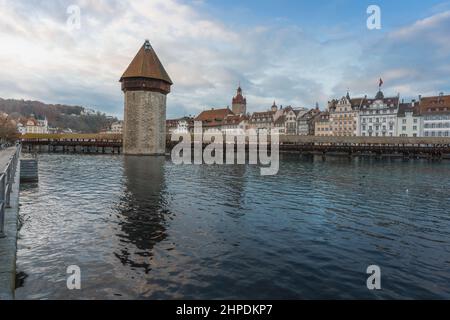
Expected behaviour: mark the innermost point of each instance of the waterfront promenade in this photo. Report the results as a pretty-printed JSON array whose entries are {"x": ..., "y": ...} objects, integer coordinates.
[{"x": 8, "y": 243}]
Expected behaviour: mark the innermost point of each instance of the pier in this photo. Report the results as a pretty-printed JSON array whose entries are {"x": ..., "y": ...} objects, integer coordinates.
[{"x": 9, "y": 210}]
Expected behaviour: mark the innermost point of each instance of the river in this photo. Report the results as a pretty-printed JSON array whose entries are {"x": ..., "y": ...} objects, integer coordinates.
[{"x": 144, "y": 228}]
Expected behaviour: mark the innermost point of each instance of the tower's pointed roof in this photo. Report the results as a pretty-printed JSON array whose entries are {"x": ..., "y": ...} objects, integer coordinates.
[{"x": 146, "y": 64}]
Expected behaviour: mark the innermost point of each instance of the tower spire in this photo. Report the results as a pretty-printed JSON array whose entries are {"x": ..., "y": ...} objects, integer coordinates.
[{"x": 239, "y": 103}]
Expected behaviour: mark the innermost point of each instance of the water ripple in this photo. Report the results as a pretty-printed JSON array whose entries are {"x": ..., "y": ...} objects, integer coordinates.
[{"x": 144, "y": 228}]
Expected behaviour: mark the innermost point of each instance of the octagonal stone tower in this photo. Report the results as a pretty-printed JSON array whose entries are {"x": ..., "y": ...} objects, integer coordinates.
[{"x": 145, "y": 84}]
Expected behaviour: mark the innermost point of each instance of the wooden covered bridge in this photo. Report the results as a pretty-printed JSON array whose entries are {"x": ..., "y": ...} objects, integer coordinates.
[
  {"x": 408, "y": 147},
  {"x": 76, "y": 143},
  {"x": 352, "y": 146}
]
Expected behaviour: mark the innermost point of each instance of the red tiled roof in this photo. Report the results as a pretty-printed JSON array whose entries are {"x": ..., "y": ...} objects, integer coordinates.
[
  {"x": 407, "y": 107},
  {"x": 324, "y": 116},
  {"x": 24, "y": 121},
  {"x": 146, "y": 64},
  {"x": 263, "y": 114},
  {"x": 388, "y": 101},
  {"x": 281, "y": 120},
  {"x": 234, "y": 119},
  {"x": 172, "y": 123},
  {"x": 436, "y": 104},
  {"x": 214, "y": 117}
]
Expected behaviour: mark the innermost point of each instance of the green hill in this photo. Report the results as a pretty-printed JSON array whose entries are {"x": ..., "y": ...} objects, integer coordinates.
[{"x": 60, "y": 116}]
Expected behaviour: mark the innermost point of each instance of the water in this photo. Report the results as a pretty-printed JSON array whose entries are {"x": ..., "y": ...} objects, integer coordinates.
[{"x": 143, "y": 228}]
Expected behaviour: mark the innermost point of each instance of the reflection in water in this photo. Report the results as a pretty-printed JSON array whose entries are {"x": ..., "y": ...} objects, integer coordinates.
[
  {"x": 142, "y": 227},
  {"x": 142, "y": 210}
]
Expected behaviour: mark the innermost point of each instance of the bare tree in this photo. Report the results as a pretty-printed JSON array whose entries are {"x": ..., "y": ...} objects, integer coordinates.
[{"x": 8, "y": 130}]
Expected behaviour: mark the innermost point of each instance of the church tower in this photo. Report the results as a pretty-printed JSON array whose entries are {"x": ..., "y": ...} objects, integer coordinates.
[
  {"x": 239, "y": 104},
  {"x": 145, "y": 84}
]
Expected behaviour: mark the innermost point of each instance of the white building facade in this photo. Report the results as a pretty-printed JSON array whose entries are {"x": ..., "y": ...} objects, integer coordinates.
[
  {"x": 117, "y": 127},
  {"x": 435, "y": 112},
  {"x": 409, "y": 121},
  {"x": 378, "y": 117},
  {"x": 33, "y": 126}
]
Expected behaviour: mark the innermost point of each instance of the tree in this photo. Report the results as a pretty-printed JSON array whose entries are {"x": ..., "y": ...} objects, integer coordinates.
[{"x": 8, "y": 130}]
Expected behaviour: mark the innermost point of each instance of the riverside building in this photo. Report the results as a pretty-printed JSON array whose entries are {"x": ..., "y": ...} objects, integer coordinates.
[
  {"x": 344, "y": 116},
  {"x": 378, "y": 116},
  {"x": 409, "y": 121},
  {"x": 435, "y": 112}
]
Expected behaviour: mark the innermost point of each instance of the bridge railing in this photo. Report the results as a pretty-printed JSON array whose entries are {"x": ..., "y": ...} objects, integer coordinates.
[{"x": 6, "y": 183}]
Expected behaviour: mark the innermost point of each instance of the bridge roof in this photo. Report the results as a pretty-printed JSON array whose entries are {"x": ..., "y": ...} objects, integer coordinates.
[
  {"x": 146, "y": 64},
  {"x": 72, "y": 136}
]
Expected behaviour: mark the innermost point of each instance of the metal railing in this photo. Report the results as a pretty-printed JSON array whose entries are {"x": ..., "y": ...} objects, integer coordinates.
[{"x": 6, "y": 183}]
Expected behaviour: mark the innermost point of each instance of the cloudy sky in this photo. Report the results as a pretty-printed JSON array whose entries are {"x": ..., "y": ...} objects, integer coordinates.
[{"x": 295, "y": 52}]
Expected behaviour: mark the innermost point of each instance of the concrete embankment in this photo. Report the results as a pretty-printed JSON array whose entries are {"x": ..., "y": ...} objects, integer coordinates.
[{"x": 8, "y": 242}]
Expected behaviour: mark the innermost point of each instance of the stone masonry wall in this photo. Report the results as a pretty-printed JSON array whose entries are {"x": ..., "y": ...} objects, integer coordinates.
[{"x": 144, "y": 131}]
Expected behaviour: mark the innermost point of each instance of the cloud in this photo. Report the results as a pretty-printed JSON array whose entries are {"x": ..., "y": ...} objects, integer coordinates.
[
  {"x": 277, "y": 60},
  {"x": 421, "y": 26},
  {"x": 205, "y": 59},
  {"x": 412, "y": 60}
]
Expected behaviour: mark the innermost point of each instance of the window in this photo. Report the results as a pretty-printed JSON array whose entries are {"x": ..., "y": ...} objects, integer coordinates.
[{"x": 404, "y": 121}]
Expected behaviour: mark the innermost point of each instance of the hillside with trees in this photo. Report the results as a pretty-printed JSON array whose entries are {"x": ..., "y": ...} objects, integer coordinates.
[{"x": 59, "y": 116}]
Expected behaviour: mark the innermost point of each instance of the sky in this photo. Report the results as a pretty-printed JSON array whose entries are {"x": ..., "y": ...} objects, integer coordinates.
[{"x": 298, "y": 52}]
